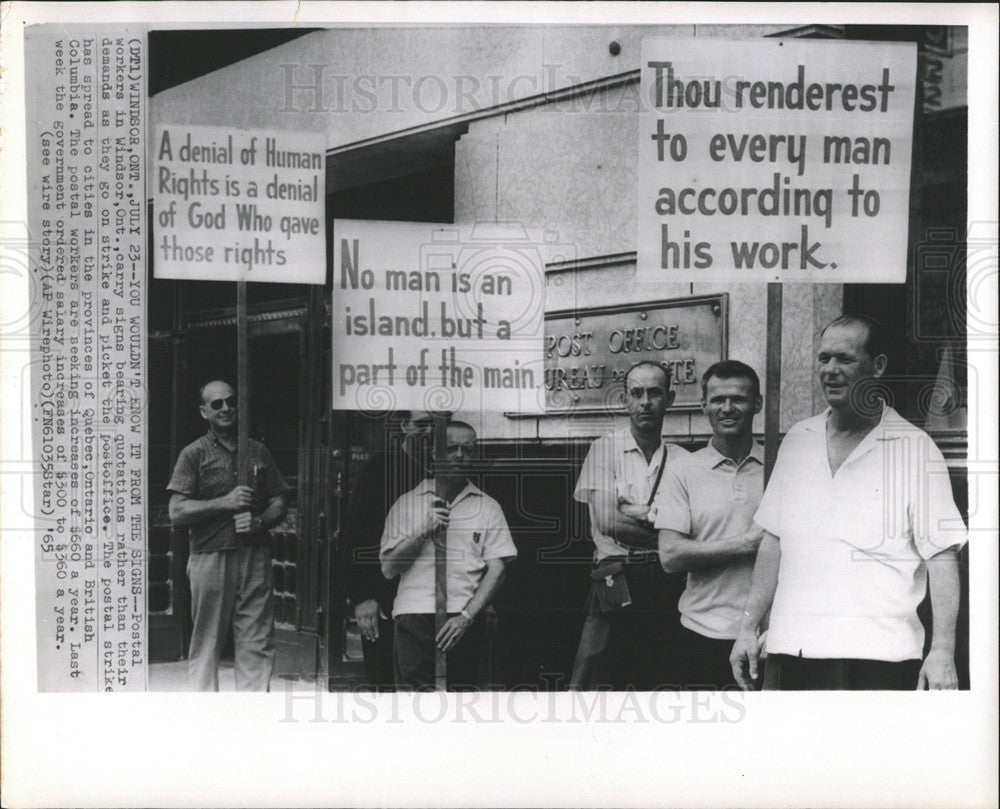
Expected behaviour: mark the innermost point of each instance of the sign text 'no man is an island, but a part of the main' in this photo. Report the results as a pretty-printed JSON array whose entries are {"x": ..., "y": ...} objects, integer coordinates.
[{"x": 435, "y": 317}]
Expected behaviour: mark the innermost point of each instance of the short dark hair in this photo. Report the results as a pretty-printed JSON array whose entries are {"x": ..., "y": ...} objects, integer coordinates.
[
  {"x": 875, "y": 339},
  {"x": 201, "y": 390},
  {"x": 396, "y": 417},
  {"x": 649, "y": 364},
  {"x": 730, "y": 369},
  {"x": 463, "y": 424}
]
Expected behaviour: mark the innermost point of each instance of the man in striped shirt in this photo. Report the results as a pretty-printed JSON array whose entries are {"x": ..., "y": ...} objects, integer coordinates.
[{"x": 230, "y": 561}]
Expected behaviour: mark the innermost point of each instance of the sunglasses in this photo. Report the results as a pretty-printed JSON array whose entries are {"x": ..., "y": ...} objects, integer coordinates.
[{"x": 216, "y": 404}]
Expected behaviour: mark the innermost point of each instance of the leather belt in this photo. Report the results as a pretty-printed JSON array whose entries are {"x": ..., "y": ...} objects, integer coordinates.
[{"x": 642, "y": 557}]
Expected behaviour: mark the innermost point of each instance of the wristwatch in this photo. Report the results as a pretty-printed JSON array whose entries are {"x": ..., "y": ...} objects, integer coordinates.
[
  {"x": 465, "y": 614},
  {"x": 257, "y": 524}
]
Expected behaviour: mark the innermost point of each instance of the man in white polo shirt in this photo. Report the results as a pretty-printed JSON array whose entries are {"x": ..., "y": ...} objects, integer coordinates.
[
  {"x": 705, "y": 514},
  {"x": 860, "y": 521},
  {"x": 479, "y": 547}
]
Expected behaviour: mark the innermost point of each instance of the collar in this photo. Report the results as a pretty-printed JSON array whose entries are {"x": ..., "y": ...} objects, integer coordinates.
[
  {"x": 214, "y": 439},
  {"x": 715, "y": 457},
  {"x": 883, "y": 431},
  {"x": 629, "y": 444},
  {"x": 426, "y": 486}
]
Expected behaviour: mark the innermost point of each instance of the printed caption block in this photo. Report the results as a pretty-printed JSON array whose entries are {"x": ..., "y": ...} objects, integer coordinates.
[{"x": 86, "y": 116}]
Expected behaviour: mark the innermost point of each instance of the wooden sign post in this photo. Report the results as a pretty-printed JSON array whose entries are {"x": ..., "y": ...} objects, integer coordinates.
[
  {"x": 242, "y": 387},
  {"x": 440, "y": 554},
  {"x": 772, "y": 374}
]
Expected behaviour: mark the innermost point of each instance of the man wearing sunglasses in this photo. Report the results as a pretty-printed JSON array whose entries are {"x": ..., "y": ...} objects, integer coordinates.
[{"x": 230, "y": 561}]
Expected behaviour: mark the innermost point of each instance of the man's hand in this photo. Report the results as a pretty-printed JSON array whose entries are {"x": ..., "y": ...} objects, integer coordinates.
[
  {"x": 744, "y": 658},
  {"x": 635, "y": 511},
  {"x": 366, "y": 614},
  {"x": 239, "y": 499},
  {"x": 437, "y": 516},
  {"x": 244, "y": 522},
  {"x": 452, "y": 632},
  {"x": 938, "y": 672},
  {"x": 753, "y": 539}
]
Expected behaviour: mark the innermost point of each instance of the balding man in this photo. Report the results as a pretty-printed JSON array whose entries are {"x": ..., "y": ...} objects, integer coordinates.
[
  {"x": 479, "y": 547},
  {"x": 859, "y": 521},
  {"x": 632, "y": 606},
  {"x": 230, "y": 554}
]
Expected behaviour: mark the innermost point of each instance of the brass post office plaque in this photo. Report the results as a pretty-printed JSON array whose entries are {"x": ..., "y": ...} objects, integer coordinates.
[{"x": 588, "y": 351}]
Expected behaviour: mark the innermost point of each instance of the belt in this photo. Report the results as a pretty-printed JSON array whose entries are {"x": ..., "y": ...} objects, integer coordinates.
[{"x": 642, "y": 557}]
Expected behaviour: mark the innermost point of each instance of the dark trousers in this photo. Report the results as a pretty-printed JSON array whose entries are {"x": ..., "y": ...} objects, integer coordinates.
[
  {"x": 378, "y": 657},
  {"x": 789, "y": 673},
  {"x": 705, "y": 662},
  {"x": 635, "y": 646},
  {"x": 414, "y": 653}
]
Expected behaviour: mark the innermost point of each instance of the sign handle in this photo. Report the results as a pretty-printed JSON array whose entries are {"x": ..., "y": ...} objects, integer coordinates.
[
  {"x": 440, "y": 556},
  {"x": 772, "y": 373},
  {"x": 242, "y": 387}
]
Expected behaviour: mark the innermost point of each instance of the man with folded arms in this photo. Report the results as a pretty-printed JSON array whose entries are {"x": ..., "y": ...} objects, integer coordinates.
[{"x": 631, "y": 621}]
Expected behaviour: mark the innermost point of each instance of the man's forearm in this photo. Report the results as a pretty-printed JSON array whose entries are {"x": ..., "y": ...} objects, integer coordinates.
[
  {"x": 487, "y": 589},
  {"x": 185, "y": 511},
  {"x": 274, "y": 513},
  {"x": 628, "y": 530},
  {"x": 678, "y": 554},
  {"x": 401, "y": 557},
  {"x": 943, "y": 582},
  {"x": 609, "y": 519},
  {"x": 765, "y": 582}
]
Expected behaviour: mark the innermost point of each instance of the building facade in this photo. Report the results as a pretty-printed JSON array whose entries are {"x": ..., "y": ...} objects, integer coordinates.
[{"x": 533, "y": 125}]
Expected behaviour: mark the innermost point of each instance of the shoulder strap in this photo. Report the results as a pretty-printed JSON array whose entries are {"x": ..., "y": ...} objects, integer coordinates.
[{"x": 659, "y": 474}]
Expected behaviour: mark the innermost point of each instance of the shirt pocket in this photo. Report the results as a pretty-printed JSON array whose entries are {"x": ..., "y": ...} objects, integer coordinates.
[{"x": 214, "y": 473}]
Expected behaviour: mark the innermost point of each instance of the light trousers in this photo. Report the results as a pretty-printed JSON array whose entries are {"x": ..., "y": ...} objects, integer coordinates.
[{"x": 232, "y": 587}]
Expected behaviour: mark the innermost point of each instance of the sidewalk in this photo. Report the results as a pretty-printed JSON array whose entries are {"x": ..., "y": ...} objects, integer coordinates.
[{"x": 165, "y": 677}]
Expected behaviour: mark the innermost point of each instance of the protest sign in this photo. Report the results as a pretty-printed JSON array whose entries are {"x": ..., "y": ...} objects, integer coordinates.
[
  {"x": 774, "y": 160},
  {"x": 436, "y": 317},
  {"x": 235, "y": 205}
]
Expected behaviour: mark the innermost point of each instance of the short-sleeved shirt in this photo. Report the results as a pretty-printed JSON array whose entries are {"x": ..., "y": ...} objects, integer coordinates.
[
  {"x": 615, "y": 464},
  {"x": 206, "y": 469},
  {"x": 854, "y": 544},
  {"x": 477, "y": 532},
  {"x": 709, "y": 497}
]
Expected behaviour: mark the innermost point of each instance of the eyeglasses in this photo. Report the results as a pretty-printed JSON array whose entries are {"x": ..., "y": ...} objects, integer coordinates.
[{"x": 216, "y": 404}]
